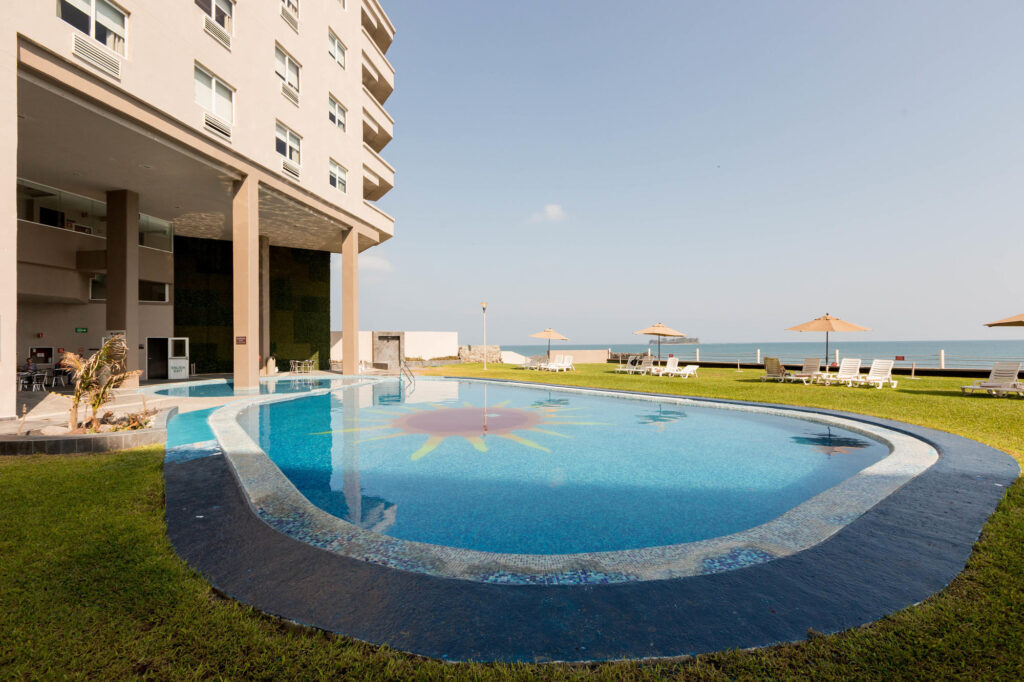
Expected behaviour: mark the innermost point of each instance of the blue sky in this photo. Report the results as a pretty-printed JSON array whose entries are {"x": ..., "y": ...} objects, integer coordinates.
[{"x": 729, "y": 169}]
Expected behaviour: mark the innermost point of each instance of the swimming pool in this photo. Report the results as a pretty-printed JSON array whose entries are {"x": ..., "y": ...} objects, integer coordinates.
[
  {"x": 222, "y": 388},
  {"x": 509, "y": 483}
]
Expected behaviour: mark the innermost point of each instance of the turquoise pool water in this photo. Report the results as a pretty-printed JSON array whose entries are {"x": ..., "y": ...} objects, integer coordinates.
[
  {"x": 223, "y": 389},
  {"x": 522, "y": 470}
]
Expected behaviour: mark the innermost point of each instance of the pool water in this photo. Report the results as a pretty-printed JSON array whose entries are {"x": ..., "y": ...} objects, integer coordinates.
[
  {"x": 521, "y": 470},
  {"x": 222, "y": 389}
]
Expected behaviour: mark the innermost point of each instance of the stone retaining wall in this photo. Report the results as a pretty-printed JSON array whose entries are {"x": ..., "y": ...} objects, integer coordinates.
[
  {"x": 476, "y": 354},
  {"x": 89, "y": 442}
]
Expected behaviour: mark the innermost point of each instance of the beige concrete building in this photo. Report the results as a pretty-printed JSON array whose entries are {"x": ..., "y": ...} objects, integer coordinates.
[{"x": 126, "y": 126}]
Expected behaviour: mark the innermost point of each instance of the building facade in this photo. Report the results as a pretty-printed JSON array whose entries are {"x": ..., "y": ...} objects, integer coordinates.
[{"x": 130, "y": 127}]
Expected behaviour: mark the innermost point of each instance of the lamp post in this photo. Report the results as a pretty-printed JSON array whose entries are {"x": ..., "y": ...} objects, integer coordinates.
[{"x": 483, "y": 306}]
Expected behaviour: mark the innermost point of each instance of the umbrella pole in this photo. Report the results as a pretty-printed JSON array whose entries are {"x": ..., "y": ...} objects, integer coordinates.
[{"x": 827, "y": 364}]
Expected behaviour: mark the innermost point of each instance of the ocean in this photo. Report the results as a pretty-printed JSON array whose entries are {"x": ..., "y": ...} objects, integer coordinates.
[{"x": 958, "y": 354}]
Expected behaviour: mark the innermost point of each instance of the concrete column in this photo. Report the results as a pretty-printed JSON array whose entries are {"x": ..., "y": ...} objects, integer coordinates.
[
  {"x": 350, "y": 302},
  {"x": 245, "y": 229},
  {"x": 8, "y": 219},
  {"x": 123, "y": 270},
  {"x": 264, "y": 243}
]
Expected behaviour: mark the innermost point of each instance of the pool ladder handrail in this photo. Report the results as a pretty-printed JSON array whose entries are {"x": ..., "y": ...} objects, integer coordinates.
[{"x": 407, "y": 375}]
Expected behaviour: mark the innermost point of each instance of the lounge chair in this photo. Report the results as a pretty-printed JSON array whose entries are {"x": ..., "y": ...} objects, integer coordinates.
[
  {"x": 630, "y": 363},
  {"x": 552, "y": 365},
  {"x": 1002, "y": 380},
  {"x": 849, "y": 372},
  {"x": 530, "y": 363},
  {"x": 671, "y": 367},
  {"x": 773, "y": 370},
  {"x": 644, "y": 367},
  {"x": 879, "y": 374},
  {"x": 567, "y": 365},
  {"x": 809, "y": 373},
  {"x": 686, "y": 372}
]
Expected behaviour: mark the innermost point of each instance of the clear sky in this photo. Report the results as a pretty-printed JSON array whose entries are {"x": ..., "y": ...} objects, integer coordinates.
[{"x": 728, "y": 168}]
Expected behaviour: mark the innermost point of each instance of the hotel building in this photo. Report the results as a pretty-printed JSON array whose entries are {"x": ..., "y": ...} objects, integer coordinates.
[{"x": 183, "y": 170}]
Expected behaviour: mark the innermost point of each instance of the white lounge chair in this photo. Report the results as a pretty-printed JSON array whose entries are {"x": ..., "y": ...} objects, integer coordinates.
[
  {"x": 849, "y": 372},
  {"x": 631, "y": 362},
  {"x": 1002, "y": 380},
  {"x": 567, "y": 365},
  {"x": 809, "y": 373},
  {"x": 671, "y": 367},
  {"x": 552, "y": 365},
  {"x": 645, "y": 365},
  {"x": 774, "y": 370},
  {"x": 530, "y": 363},
  {"x": 686, "y": 372},
  {"x": 879, "y": 374}
]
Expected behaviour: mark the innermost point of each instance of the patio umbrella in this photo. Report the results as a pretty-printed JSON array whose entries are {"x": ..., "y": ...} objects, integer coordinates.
[
  {"x": 660, "y": 330},
  {"x": 549, "y": 334},
  {"x": 827, "y": 324},
  {"x": 1015, "y": 321}
]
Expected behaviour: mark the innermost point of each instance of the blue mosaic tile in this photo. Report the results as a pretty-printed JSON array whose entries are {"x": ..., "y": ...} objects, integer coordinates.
[{"x": 737, "y": 558}]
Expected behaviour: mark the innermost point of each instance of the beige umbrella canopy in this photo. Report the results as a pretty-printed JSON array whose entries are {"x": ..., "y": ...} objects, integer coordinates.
[
  {"x": 660, "y": 330},
  {"x": 827, "y": 323},
  {"x": 549, "y": 334},
  {"x": 1015, "y": 321}
]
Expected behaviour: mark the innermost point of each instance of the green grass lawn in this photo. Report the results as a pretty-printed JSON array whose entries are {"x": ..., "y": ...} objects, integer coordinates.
[{"x": 90, "y": 586}]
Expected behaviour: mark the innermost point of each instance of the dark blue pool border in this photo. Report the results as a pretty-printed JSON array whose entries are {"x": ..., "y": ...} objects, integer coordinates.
[{"x": 902, "y": 551}]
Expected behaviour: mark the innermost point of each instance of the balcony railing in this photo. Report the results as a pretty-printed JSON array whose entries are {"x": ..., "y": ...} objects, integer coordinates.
[
  {"x": 378, "y": 126},
  {"x": 378, "y": 175},
  {"x": 377, "y": 24}
]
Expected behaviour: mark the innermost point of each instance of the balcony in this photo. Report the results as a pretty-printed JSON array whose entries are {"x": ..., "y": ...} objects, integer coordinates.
[
  {"x": 378, "y": 175},
  {"x": 377, "y": 24},
  {"x": 378, "y": 74},
  {"x": 380, "y": 220},
  {"x": 378, "y": 126}
]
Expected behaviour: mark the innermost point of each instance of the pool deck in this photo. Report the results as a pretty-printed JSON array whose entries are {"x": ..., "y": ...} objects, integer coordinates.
[{"x": 901, "y": 551}]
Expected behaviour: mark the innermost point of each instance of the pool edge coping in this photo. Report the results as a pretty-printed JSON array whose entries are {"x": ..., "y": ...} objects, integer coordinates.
[{"x": 275, "y": 501}]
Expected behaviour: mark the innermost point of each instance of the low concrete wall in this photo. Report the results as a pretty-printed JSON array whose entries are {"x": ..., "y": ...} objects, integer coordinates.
[
  {"x": 582, "y": 357},
  {"x": 85, "y": 443}
]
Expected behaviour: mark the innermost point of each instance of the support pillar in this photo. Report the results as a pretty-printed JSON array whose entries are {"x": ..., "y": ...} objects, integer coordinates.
[
  {"x": 350, "y": 302},
  {"x": 245, "y": 229},
  {"x": 264, "y": 244},
  {"x": 123, "y": 270},
  {"x": 8, "y": 220}
]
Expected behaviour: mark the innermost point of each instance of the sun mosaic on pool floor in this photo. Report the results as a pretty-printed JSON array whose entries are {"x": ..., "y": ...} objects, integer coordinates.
[{"x": 471, "y": 422}]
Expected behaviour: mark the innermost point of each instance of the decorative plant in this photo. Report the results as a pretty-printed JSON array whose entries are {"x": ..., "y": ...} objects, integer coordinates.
[{"x": 96, "y": 377}]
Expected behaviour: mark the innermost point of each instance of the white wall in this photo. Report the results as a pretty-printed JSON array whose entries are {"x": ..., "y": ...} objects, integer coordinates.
[
  {"x": 365, "y": 347},
  {"x": 430, "y": 345},
  {"x": 426, "y": 345}
]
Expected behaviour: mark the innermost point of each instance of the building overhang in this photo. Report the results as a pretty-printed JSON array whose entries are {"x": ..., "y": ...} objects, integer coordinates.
[{"x": 84, "y": 136}]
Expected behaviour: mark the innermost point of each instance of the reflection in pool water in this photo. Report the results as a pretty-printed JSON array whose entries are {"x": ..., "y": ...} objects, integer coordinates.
[{"x": 507, "y": 469}]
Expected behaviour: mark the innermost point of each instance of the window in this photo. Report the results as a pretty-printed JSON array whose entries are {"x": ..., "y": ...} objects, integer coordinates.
[
  {"x": 335, "y": 48},
  {"x": 286, "y": 68},
  {"x": 338, "y": 176},
  {"x": 214, "y": 95},
  {"x": 97, "y": 18},
  {"x": 335, "y": 112},
  {"x": 291, "y": 6},
  {"x": 288, "y": 144},
  {"x": 156, "y": 233},
  {"x": 220, "y": 11},
  {"x": 98, "y": 288},
  {"x": 152, "y": 292}
]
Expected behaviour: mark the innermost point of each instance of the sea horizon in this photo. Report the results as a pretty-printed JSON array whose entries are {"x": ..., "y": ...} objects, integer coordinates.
[{"x": 972, "y": 353}]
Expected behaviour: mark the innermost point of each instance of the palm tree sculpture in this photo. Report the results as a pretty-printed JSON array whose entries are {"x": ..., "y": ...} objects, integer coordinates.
[{"x": 96, "y": 377}]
